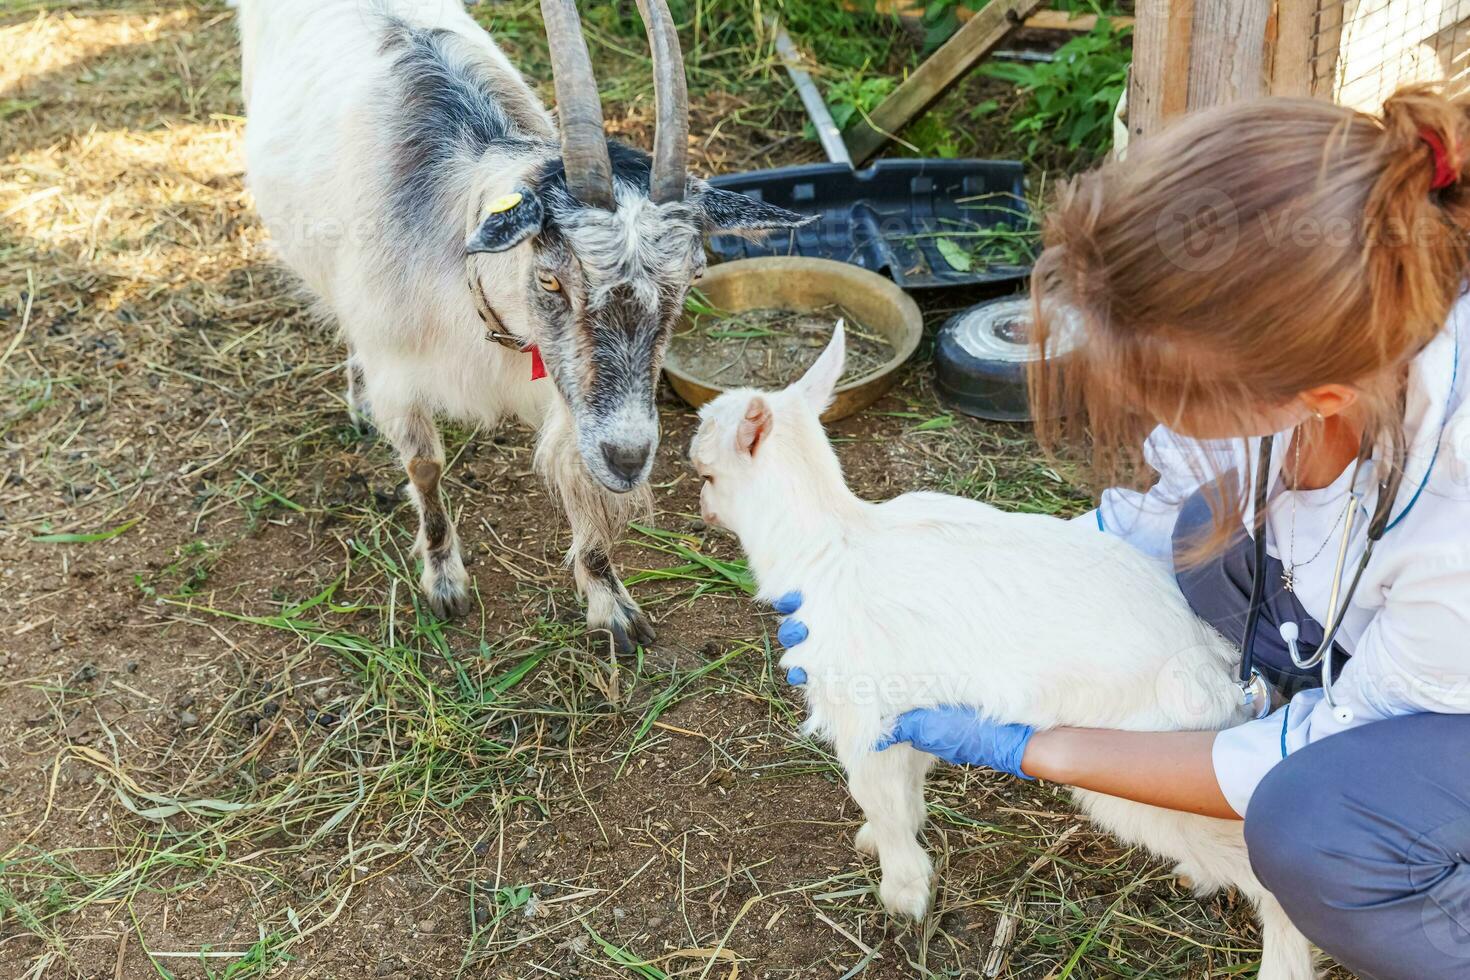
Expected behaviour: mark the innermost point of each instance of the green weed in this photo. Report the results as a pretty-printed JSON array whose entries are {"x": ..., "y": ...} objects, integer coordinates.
[
  {"x": 851, "y": 98},
  {"x": 1071, "y": 99}
]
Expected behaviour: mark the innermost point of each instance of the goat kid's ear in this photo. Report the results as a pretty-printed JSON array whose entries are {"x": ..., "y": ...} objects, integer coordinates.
[
  {"x": 754, "y": 427},
  {"x": 820, "y": 380},
  {"x": 728, "y": 211},
  {"x": 506, "y": 221}
]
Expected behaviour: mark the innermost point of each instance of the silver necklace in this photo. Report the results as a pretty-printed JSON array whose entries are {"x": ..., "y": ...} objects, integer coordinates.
[{"x": 1288, "y": 571}]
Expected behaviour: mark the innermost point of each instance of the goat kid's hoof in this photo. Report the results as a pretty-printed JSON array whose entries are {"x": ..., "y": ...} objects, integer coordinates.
[
  {"x": 363, "y": 426},
  {"x": 360, "y": 417},
  {"x": 863, "y": 841},
  {"x": 905, "y": 897}
]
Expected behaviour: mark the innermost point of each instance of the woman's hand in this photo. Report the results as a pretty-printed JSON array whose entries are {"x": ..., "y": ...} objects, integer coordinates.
[
  {"x": 962, "y": 736},
  {"x": 791, "y": 632}
]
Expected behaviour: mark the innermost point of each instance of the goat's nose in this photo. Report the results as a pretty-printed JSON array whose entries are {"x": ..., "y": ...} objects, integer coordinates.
[{"x": 626, "y": 462}]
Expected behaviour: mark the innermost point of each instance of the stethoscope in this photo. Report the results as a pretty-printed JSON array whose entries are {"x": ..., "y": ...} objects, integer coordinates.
[{"x": 1253, "y": 687}]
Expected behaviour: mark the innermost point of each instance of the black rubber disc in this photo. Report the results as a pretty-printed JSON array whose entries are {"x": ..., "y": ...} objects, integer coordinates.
[{"x": 980, "y": 359}]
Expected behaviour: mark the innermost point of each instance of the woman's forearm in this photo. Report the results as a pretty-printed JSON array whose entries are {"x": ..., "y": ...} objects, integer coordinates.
[{"x": 1168, "y": 769}]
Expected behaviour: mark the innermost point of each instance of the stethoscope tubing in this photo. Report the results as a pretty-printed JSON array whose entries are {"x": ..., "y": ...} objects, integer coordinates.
[
  {"x": 1254, "y": 690},
  {"x": 1252, "y": 685}
]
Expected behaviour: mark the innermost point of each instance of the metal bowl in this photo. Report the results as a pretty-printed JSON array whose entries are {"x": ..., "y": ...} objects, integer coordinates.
[{"x": 803, "y": 284}]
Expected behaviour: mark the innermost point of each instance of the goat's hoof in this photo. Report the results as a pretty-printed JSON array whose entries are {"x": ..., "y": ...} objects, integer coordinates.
[
  {"x": 630, "y": 632},
  {"x": 625, "y": 639},
  {"x": 448, "y": 600},
  {"x": 446, "y": 586},
  {"x": 640, "y": 627},
  {"x": 626, "y": 625},
  {"x": 864, "y": 841},
  {"x": 905, "y": 896}
]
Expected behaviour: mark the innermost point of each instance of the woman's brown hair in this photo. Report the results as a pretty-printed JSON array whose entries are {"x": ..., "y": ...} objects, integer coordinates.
[{"x": 1241, "y": 256}]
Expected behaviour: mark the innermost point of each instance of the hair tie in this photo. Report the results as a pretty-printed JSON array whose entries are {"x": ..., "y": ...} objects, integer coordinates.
[{"x": 1445, "y": 173}]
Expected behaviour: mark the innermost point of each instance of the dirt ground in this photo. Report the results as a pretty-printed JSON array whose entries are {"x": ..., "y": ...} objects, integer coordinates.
[{"x": 232, "y": 744}]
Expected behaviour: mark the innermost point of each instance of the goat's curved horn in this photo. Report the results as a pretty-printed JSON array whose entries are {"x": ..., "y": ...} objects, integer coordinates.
[
  {"x": 583, "y": 140},
  {"x": 671, "y": 102}
]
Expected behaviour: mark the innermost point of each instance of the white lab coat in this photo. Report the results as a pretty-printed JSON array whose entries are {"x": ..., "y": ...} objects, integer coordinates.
[{"x": 1408, "y": 628}]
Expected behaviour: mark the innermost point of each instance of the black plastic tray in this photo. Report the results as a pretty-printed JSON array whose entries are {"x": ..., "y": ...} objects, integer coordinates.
[{"x": 889, "y": 217}]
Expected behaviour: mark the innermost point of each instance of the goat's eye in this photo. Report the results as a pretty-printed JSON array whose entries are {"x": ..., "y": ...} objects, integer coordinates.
[{"x": 549, "y": 282}]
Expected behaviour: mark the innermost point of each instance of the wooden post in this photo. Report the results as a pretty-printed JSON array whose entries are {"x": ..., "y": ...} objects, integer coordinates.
[
  {"x": 1191, "y": 54},
  {"x": 1228, "y": 50},
  {"x": 1158, "y": 84},
  {"x": 1293, "y": 48},
  {"x": 929, "y": 81}
]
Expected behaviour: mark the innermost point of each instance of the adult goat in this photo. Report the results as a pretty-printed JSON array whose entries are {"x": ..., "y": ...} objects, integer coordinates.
[{"x": 414, "y": 182}]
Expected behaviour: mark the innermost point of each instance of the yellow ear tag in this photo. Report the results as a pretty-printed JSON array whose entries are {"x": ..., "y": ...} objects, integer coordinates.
[{"x": 503, "y": 203}]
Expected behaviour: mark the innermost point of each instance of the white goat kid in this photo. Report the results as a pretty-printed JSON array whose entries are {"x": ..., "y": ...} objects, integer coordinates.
[
  {"x": 929, "y": 599},
  {"x": 414, "y": 182}
]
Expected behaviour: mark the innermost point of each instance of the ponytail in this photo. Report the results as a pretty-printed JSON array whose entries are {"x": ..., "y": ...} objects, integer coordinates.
[{"x": 1417, "y": 217}]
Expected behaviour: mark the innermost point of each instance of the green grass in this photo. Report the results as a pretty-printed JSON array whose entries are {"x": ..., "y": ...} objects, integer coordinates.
[
  {"x": 256, "y": 962},
  {"x": 87, "y": 538},
  {"x": 706, "y": 575}
]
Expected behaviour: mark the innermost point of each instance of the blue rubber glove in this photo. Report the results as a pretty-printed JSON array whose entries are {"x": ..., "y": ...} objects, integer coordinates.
[
  {"x": 962, "y": 736},
  {"x": 791, "y": 632}
]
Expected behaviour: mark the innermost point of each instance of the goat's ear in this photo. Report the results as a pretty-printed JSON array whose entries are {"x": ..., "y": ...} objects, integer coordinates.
[
  {"x": 506, "y": 221},
  {"x": 820, "y": 380},
  {"x": 728, "y": 211},
  {"x": 754, "y": 427}
]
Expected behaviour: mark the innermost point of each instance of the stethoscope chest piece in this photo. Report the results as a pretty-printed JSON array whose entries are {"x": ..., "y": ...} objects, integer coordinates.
[{"x": 1256, "y": 694}]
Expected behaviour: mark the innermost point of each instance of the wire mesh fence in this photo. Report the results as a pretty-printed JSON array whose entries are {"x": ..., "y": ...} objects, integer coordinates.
[{"x": 1362, "y": 50}]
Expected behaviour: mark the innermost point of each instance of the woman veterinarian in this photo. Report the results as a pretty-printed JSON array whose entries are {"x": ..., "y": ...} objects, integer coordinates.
[{"x": 1292, "y": 272}]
